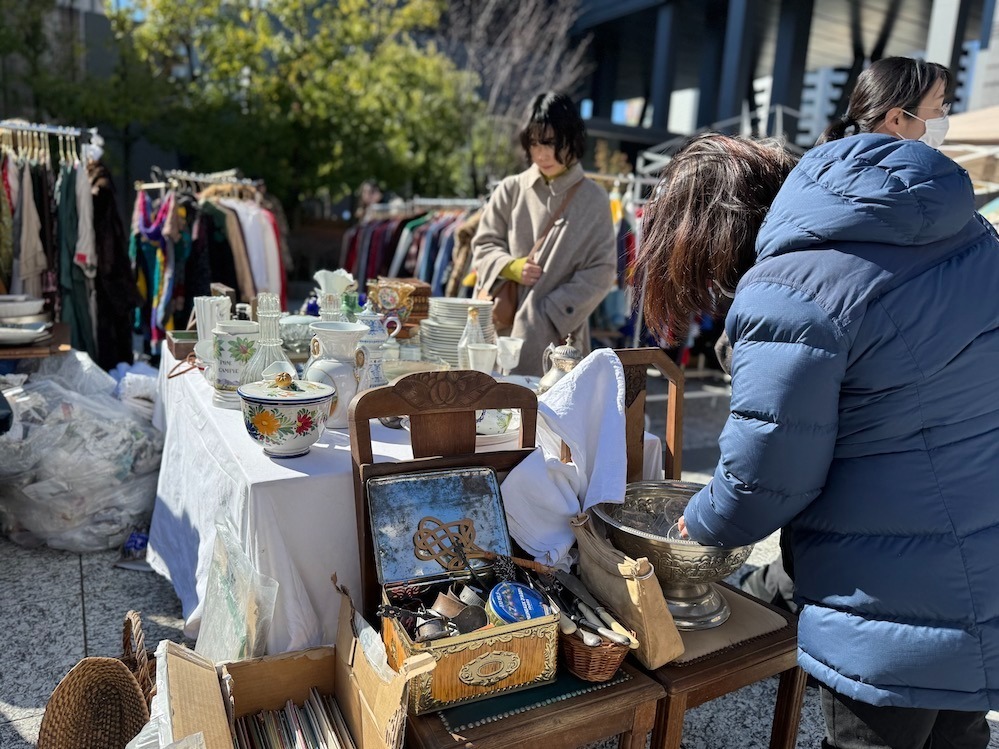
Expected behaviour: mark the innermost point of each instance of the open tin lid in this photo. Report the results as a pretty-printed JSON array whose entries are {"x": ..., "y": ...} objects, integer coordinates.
[{"x": 415, "y": 518}]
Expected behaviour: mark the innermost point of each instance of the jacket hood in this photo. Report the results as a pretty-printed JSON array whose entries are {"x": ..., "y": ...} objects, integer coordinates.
[{"x": 868, "y": 188}]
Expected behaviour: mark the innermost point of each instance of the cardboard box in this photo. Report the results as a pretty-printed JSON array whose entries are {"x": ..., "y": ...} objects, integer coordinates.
[
  {"x": 479, "y": 664},
  {"x": 208, "y": 698}
]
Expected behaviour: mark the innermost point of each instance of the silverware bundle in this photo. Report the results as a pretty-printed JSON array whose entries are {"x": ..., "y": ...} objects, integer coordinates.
[{"x": 582, "y": 614}]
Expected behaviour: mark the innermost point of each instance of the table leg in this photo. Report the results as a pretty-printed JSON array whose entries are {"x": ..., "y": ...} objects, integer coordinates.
[
  {"x": 787, "y": 712},
  {"x": 643, "y": 722},
  {"x": 668, "y": 729}
]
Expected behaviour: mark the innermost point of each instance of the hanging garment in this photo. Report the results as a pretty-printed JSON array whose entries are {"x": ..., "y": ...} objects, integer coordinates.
[
  {"x": 253, "y": 224},
  {"x": 85, "y": 254},
  {"x": 14, "y": 183},
  {"x": 73, "y": 291},
  {"x": 153, "y": 271},
  {"x": 234, "y": 233},
  {"x": 405, "y": 242},
  {"x": 442, "y": 263},
  {"x": 43, "y": 184},
  {"x": 280, "y": 254},
  {"x": 212, "y": 259},
  {"x": 462, "y": 255},
  {"x": 31, "y": 260},
  {"x": 115, "y": 291},
  {"x": 6, "y": 225},
  {"x": 182, "y": 233}
]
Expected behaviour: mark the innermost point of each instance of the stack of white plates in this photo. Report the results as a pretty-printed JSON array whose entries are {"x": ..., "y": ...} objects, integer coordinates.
[
  {"x": 26, "y": 334},
  {"x": 19, "y": 305},
  {"x": 22, "y": 321},
  {"x": 441, "y": 332}
]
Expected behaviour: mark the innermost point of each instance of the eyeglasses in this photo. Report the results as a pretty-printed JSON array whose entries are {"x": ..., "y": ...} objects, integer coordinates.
[{"x": 943, "y": 109}]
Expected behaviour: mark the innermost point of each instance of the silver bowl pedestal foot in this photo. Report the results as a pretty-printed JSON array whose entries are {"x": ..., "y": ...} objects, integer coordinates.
[{"x": 696, "y": 607}]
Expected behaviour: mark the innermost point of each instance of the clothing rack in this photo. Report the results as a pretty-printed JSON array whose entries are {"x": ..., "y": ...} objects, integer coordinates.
[
  {"x": 616, "y": 178},
  {"x": 140, "y": 185},
  {"x": 84, "y": 134},
  {"x": 175, "y": 178},
  {"x": 418, "y": 202},
  {"x": 227, "y": 177},
  {"x": 399, "y": 207}
]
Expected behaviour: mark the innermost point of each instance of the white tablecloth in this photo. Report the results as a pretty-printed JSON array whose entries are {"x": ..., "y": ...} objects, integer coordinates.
[{"x": 295, "y": 517}]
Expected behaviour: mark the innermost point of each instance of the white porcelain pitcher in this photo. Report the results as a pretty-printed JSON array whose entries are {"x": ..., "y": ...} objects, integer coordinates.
[{"x": 335, "y": 361}]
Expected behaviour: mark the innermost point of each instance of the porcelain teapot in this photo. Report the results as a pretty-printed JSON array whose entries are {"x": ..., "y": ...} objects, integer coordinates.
[
  {"x": 377, "y": 325},
  {"x": 557, "y": 361}
]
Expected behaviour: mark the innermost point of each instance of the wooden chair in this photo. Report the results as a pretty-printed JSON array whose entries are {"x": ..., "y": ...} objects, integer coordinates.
[
  {"x": 441, "y": 407},
  {"x": 636, "y": 362},
  {"x": 732, "y": 666}
]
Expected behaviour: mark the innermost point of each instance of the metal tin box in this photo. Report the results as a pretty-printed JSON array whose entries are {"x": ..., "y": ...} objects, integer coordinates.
[{"x": 472, "y": 666}]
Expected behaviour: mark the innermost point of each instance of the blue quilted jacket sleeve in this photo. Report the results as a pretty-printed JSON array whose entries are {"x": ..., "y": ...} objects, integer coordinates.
[{"x": 788, "y": 363}]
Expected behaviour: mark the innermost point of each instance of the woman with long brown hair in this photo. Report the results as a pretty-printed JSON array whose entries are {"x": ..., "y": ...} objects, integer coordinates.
[{"x": 699, "y": 230}]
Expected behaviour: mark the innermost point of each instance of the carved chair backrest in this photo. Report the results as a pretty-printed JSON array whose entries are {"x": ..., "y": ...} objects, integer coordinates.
[
  {"x": 636, "y": 363},
  {"x": 441, "y": 408}
]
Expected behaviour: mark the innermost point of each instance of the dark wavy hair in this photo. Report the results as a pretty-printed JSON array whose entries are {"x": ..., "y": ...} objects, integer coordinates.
[
  {"x": 699, "y": 230},
  {"x": 554, "y": 117},
  {"x": 888, "y": 83}
]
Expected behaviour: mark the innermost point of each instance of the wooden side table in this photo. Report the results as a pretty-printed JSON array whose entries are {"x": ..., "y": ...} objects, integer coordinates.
[
  {"x": 733, "y": 667},
  {"x": 627, "y": 710}
]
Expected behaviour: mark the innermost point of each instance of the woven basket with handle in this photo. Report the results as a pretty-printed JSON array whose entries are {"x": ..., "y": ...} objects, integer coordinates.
[
  {"x": 102, "y": 703},
  {"x": 97, "y": 705},
  {"x": 141, "y": 662}
]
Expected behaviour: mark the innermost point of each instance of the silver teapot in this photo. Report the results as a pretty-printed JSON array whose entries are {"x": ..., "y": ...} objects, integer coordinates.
[{"x": 557, "y": 361}]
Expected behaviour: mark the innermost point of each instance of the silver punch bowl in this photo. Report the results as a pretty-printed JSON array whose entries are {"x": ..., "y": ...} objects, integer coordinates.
[{"x": 645, "y": 525}]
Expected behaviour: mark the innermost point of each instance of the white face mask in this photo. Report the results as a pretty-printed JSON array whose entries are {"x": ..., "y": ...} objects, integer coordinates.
[{"x": 936, "y": 130}]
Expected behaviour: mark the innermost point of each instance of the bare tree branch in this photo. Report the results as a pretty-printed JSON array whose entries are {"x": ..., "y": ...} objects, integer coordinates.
[{"x": 517, "y": 49}]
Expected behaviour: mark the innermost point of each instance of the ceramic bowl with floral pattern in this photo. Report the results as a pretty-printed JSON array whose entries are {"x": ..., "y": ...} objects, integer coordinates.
[{"x": 287, "y": 418}]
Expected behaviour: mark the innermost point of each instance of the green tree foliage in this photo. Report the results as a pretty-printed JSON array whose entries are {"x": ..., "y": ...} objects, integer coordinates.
[
  {"x": 36, "y": 54},
  {"x": 308, "y": 94}
]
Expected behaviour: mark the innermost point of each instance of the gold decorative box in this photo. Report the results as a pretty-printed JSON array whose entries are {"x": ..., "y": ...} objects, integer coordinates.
[{"x": 473, "y": 666}]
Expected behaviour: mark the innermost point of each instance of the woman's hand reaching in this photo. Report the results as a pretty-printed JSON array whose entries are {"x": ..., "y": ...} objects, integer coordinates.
[
  {"x": 531, "y": 274},
  {"x": 681, "y": 527}
]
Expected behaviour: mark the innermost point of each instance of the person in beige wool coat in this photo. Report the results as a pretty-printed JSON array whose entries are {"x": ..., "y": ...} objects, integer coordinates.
[{"x": 576, "y": 264}]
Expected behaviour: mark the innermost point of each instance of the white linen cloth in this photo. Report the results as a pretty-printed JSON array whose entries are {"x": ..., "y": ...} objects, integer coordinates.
[
  {"x": 295, "y": 517},
  {"x": 585, "y": 409}
]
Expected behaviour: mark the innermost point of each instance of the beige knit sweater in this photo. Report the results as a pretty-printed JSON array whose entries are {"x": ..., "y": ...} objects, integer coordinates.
[{"x": 579, "y": 257}]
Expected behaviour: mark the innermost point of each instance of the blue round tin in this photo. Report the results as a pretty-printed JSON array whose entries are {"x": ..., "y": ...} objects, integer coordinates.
[{"x": 513, "y": 602}]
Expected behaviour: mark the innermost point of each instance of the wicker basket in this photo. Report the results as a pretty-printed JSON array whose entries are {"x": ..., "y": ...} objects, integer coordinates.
[
  {"x": 141, "y": 662},
  {"x": 598, "y": 663},
  {"x": 97, "y": 704},
  {"x": 102, "y": 702}
]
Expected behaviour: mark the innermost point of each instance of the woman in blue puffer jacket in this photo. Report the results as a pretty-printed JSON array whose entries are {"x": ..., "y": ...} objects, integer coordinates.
[{"x": 864, "y": 415}]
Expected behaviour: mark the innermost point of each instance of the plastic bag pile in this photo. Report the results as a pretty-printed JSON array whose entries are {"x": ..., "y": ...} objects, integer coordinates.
[{"x": 78, "y": 468}]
